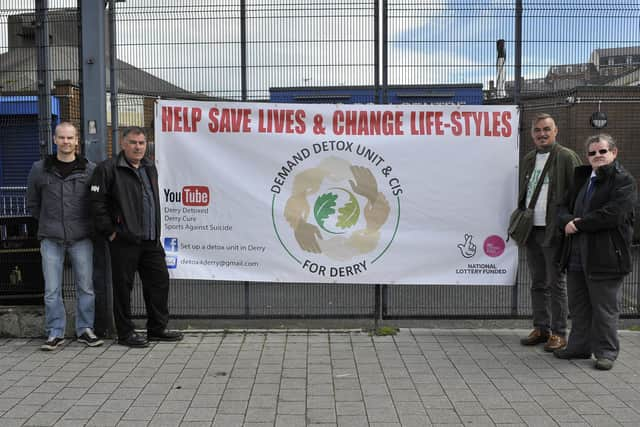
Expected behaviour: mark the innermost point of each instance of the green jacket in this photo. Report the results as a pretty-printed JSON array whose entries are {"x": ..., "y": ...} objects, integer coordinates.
[{"x": 560, "y": 180}]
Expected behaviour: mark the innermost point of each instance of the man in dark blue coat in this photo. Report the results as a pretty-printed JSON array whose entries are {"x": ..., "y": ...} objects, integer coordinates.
[{"x": 597, "y": 218}]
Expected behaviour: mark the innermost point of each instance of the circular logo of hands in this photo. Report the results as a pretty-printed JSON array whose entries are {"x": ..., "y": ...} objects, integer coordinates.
[{"x": 337, "y": 221}]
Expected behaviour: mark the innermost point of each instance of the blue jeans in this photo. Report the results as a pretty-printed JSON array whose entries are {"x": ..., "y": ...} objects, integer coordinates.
[{"x": 81, "y": 255}]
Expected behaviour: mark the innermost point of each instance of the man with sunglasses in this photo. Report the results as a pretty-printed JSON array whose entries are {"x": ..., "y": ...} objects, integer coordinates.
[
  {"x": 548, "y": 287},
  {"x": 125, "y": 208},
  {"x": 597, "y": 218}
]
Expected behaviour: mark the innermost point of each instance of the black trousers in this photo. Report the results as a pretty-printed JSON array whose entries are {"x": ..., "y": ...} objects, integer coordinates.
[
  {"x": 595, "y": 311},
  {"x": 148, "y": 259}
]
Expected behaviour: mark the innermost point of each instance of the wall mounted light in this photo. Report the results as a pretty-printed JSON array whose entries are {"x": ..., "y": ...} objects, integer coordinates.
[{"x": 599, "y": 118}]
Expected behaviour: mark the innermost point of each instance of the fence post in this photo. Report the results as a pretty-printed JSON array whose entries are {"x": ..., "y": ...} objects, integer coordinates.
[
  {"x": 518, "y": 54},
  {"x": 378, "y": 307},
  {"x": 113, "y": 81},
  {"x": 243, "y": 48},
  {"x": 376, "y": 51},
  {"x": 385, "y": 51},
  {"x": 514, "y": 290},
  {"x": 94, "y": 97},
  {"x": 94, "y": 132},
  {"x": 44, "y": 78}
]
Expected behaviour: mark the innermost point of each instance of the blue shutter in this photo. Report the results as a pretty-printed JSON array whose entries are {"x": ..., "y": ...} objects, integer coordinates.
[{"x": 18, "y": 149}]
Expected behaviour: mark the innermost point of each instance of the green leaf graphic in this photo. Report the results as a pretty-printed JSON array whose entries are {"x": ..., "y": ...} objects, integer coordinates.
[
  {"x": 349, "y": 213},
  {"x": 324, "y": 207}
]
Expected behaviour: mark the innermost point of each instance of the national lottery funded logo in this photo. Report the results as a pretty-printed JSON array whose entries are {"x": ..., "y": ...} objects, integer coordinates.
[{"x": 336, "y": 208}]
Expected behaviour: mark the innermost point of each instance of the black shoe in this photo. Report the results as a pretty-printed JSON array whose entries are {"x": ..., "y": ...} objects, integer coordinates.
[
  {"x": 568, "y": 354},
  {"x": 603, "y": 363},
  {"x": 134, "y": 340},
  {"x": 52, "y": 343},
  {"x": 90, "y": 339},
  {"x": 164, "y": 335}
]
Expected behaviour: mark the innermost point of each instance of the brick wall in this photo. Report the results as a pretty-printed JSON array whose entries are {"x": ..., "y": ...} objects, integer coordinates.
[{"x": 622, "y": 105}]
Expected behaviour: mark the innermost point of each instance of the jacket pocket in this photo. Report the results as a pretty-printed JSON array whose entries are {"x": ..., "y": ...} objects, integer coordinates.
[
  {"x": 622, "y": 252},
  {"x": 608, "y": 253}
]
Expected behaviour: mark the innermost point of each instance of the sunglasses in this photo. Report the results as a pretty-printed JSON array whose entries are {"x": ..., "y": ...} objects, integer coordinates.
[{"x": 601, "y": 151}]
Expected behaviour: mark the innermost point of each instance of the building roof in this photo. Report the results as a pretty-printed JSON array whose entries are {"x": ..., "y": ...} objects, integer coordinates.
[
  {"x": 18, "y": 73},
  {"x": 631, "y": 78},
  {"x": 617, "y": 51},
  {"x": 19, "y": 65}
]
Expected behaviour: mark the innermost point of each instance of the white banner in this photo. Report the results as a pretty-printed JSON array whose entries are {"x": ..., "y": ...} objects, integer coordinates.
[{"x": 395, "y": 194}]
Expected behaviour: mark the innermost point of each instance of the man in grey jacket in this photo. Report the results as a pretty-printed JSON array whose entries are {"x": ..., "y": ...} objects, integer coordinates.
[{"x": 58, "y": 197}]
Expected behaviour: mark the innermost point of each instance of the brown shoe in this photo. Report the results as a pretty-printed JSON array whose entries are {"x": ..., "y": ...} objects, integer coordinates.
[
  {"x": 535, "y": 337},
  {"x": 555, "y": 342}
]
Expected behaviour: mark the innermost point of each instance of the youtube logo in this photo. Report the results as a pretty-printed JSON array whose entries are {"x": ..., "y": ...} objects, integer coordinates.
[
  {"x": 195, "y": 195},
  {"x": 191, "y": 195}
]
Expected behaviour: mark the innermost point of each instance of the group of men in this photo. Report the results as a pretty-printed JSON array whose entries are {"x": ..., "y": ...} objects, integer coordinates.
[
  {"x": 582, "y": 225},
  {"x": 76, "y": 203}
]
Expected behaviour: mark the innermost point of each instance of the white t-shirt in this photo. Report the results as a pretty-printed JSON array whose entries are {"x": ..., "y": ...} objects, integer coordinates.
[{"x": 540, "y": 209}]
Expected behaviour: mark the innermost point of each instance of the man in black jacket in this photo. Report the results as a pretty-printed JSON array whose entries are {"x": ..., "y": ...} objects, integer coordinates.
[
  {"x": 58, "y": 197},
  {"x": 597, "y": 218},
  {"x": 125, "y": 208}
]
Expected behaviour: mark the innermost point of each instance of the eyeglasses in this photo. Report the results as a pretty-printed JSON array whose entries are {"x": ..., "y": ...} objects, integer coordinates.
[{"x": 601, "y": 151}]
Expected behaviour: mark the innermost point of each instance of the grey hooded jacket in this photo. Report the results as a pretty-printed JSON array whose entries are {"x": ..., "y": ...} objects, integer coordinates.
[{"x": 61, "y": 205}]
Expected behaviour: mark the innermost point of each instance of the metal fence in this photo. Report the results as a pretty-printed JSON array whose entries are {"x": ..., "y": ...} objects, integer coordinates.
[
  {"x": 238, "y": 300},
  {"x": 193, "y": 299},
  {"x": 239, "y": 49}
]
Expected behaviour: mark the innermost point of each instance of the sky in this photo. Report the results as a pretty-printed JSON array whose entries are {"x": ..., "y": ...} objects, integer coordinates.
[{"x": 195, "y": 43}]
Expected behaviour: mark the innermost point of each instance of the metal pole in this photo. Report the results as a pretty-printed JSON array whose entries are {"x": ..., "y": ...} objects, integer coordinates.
[
  {"x": 376, "y": 51},
  {"x": 243, "y": 48},
  {"x": 44, "y": 78},
  {"x": 514, "y": 289},
  {"x": 94, "y": 132},
  {"x": 385, "y": 64},
  {"x": 113, "y": 81},
  {"x": 518, "y": 54},
  {"x": 94, "y": 97},
  {"x": 377, "y": 307}
]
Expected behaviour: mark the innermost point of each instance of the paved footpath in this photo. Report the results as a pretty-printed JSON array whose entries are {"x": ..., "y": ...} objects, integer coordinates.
[{"x": 420, "y": 377}]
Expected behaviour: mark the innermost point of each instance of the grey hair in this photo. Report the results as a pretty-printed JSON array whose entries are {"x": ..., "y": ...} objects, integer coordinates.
[
  {"x": 600, "y": 137},
  {"x": 134, "y": 130}
]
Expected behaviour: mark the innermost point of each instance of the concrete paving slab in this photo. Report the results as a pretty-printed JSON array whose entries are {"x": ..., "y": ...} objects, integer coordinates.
[{"x": 419, "y": 377}]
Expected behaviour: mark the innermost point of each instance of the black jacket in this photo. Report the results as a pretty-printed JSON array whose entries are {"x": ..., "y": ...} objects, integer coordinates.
[
  {"x": 61, "y": 205},
  {"x": 606, "y": 225},
  {"x": 116, "y": 198}
]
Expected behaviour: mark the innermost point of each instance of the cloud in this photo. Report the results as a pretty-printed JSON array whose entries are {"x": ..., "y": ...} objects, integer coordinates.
[{"x": 195, "y": 44}]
